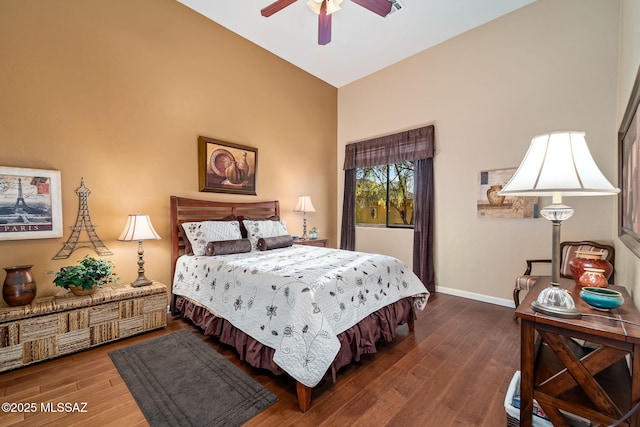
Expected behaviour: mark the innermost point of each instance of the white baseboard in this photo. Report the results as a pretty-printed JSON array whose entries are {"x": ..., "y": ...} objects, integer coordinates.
[{"x": 477, "y": 297}]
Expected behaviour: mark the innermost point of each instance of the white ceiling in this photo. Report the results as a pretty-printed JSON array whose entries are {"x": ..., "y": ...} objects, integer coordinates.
[{"x": 362, "y": 42}]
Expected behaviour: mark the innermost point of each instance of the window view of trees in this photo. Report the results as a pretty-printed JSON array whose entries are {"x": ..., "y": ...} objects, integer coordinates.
[{"x": 384, "y": 195}]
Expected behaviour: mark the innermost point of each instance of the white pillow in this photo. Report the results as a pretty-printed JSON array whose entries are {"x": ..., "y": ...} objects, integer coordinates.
[
  {"x": 259, "y": 229},
  {"x": 203, "y": 232}
]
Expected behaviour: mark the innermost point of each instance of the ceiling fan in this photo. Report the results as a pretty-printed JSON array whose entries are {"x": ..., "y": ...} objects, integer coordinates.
[{"x": 325, "y": 8}]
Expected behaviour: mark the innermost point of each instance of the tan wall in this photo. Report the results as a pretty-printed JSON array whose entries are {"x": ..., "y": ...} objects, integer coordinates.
[
  {"x": 628, "y": 264},
  {"x": 118, "y": 91},
  {"x": 549, "y": 66}
]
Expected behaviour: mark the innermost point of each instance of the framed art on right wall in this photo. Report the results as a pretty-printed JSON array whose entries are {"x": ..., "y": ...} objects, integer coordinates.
[{"x": 629, "y": 173}]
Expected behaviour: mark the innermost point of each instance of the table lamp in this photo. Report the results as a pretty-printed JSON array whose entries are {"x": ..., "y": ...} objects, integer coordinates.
[
  {"x": 304, "y": 205},
  {"x": 558, "y": 164},
  {"x": 139, "y": 228}
]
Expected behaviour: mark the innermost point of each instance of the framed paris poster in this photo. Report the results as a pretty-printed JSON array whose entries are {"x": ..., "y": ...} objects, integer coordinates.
[{"x": 30, "y": 204}]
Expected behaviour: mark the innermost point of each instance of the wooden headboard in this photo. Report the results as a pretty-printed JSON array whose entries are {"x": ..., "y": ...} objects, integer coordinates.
[{"x": 191, "y": 210}]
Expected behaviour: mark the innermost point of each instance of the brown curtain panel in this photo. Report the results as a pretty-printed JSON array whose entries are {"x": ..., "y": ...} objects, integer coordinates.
[
  {"x": 348, "y": 232},
  {"x": 417, "y": 145},
  {"x": 423, "y": 227}
]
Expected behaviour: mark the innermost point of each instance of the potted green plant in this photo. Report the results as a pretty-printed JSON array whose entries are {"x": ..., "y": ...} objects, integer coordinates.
[
  {"x": 313, "y": 233},
  {"x": 87, "y": 276}
]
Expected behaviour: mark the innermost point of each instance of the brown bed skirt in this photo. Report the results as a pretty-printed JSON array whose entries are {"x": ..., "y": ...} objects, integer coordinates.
[{"x": 354, "y": 342}]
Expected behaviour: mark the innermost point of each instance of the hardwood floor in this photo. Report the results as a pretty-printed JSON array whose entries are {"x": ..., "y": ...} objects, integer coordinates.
[{"x": 453, "y": 370}]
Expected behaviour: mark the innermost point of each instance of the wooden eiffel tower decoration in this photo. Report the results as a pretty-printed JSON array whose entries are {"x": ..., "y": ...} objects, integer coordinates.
[{"x": 83, "y": 222}]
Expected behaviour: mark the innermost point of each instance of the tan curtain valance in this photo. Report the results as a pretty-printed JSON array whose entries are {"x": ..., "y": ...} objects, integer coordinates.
[{"x": 414, "y": 144}]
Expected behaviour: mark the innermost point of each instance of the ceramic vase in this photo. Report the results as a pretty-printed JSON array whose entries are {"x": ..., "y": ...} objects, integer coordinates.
[
  {"x": 492, "y": 195},
  {"x": 243, "y": 165},
  {"x": 593, "y": 278},
  {"x": 234, "y": 174},
  {"x": 19, "y": 287},
  {"x": 585, "y": 260}
]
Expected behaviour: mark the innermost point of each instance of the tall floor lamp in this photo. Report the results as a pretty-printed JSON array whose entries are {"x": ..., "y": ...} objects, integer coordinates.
[
  {"x": 139, "y": 228},
  {"x": 558, "y": 164}
]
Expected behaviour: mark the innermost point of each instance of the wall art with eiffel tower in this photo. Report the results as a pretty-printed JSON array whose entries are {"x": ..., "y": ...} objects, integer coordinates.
[
  {"x": 30, "y": 203},
  {"x": 83, "y": 223}
]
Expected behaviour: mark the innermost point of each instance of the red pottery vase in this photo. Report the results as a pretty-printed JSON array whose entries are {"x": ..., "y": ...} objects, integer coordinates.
[
  {"x": 589, "y": 260},
  {"x": 593, "y": 278},
  {"x": 19, "y": 287}
]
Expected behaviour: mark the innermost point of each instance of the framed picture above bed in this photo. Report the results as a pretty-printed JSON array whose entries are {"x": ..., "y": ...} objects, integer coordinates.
[
  {"x": 225, "y": 167},
  {"x": 30, "y": 204},
  {"x": 629, "y": 173}
]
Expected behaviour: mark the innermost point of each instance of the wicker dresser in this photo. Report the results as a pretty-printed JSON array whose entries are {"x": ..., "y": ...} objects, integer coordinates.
[{"x": 54, "y": 326}]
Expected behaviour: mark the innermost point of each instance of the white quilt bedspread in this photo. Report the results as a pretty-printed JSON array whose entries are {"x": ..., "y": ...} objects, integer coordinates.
[{"x": 297, "y": 300}]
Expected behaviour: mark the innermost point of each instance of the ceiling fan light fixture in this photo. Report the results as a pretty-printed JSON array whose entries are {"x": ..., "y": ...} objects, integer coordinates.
[
  {"x": 315, "y": 5},
  {"x": 332, "y": 6},
  {"x": 325, "y": 8},
  {"x": 396, "y": 6}
]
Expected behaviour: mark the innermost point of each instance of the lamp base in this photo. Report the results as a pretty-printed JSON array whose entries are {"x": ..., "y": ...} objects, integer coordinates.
[
  {"x": 556, "y": 301},
  {"x": 555, "y": 311},
  {"x": 141, "y": 281}
]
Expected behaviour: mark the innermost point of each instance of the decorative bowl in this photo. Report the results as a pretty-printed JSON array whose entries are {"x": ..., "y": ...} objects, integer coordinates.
[{"x": 602, "y": 298}]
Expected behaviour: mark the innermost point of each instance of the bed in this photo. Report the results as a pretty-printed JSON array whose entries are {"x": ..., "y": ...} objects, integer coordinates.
[{"x": 305, "y": 311}]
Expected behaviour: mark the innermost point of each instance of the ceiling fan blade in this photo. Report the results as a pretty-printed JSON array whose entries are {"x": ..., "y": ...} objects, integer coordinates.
[
  {"x": 276, "y": 6},
  {"x": 381, "y": 7},
  {"x": 324, "y": 25}
]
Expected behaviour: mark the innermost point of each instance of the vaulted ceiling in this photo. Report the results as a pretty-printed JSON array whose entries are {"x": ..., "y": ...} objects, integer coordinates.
[{"x": 362, "y": 42}]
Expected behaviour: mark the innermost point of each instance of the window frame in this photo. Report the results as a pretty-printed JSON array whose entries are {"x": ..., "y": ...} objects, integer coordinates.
[{"x": 387, "y": 204}]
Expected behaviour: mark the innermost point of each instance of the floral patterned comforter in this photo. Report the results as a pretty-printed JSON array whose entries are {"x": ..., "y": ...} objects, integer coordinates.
[{"x": 297, "y": 300}]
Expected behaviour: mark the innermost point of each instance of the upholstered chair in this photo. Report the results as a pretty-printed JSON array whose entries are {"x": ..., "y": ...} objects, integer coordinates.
[{"x": 568, "y": 252}]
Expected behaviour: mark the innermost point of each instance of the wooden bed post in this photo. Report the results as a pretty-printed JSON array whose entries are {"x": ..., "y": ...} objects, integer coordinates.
[{"x": 304, "y": 396}]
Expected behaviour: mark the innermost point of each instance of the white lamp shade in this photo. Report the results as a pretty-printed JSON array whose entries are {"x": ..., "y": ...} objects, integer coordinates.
[
  {"x": 558, "y": 162},
  {"x": 138, "y": 228},
  {"x": 304, "y": 205}
]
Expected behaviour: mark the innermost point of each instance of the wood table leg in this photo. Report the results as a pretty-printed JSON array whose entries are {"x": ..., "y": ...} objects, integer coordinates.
[
  {"x": 304, "y": 396},
  {"x": 635, "y": 385},
  {"x": 594, "y": 362},
  {"x": 581, "y": 375},
  {"x": 527, "y": 356}
]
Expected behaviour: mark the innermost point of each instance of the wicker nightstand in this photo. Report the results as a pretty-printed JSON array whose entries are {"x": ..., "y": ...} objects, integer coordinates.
[{"x": 54, "y": 326}]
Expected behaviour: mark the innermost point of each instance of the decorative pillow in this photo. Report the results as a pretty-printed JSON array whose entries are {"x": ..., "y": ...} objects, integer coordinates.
[
  {"x": 226, "y": 247},
  {"x": 258, "y": 229},
  {"x": 188, "y": 250},
  {"x": 266, "y": 243},
  {"x": 203, "y": 232},
  {"x": 242, "y": 218}
]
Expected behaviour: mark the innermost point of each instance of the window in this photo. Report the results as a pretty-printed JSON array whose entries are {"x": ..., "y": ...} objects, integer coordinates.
[{"x": 384, "y": 195}]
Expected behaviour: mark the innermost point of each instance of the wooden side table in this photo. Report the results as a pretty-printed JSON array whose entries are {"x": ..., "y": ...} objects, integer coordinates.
[
  {"x": 562, "y": 375},
  {"x": 312, "y": 242}
]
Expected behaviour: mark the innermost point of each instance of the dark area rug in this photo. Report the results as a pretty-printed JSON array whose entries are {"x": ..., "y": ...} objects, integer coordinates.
[{"x": 178, "y": 380}]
